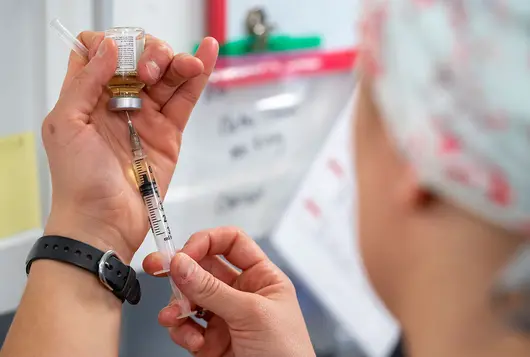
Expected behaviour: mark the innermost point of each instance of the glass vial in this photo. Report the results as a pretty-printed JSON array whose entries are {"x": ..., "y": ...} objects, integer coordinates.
[{"x": 125, "y": 86}]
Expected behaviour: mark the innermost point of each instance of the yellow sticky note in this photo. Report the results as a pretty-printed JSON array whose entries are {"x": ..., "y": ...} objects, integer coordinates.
[{"x": 19, "y": 187}]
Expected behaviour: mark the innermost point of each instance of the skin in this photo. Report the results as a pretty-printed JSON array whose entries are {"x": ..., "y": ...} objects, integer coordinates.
[
  {"x": 431, "y": 262},
  {"x": 252, "y": 311},
  {"x": 64, "y": 309},
  {"x": 94, "y": 190}
]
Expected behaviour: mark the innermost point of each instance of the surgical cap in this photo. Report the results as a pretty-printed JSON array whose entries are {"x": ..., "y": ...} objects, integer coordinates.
[{"x": 451, "y": 79}]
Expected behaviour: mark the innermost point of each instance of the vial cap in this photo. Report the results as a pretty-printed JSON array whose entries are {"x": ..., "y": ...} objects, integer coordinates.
[{"x": 124, "y": 103}]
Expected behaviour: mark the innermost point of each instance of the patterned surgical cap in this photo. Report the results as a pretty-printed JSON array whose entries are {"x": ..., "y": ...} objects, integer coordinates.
[{"x": 451, "y": 79}]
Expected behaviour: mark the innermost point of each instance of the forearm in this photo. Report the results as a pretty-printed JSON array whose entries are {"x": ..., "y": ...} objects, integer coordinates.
[{"x": 64, "y": 312}]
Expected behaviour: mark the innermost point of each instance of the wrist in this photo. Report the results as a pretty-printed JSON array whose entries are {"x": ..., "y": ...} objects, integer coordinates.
[
  {"x": 73, "y": 284},
  {"x": 91, "y": 231}
]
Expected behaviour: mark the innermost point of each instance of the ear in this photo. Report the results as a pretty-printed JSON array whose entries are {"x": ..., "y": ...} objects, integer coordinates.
[{"x": 411, "y": 194}]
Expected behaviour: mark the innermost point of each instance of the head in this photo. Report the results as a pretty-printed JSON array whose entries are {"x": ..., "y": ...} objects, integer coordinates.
[{"x": 442, "y": 151}]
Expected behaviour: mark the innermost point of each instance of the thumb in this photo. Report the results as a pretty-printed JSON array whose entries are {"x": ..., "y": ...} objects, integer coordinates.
[
  {"x": 83, "y": 92},
  {"x": 205, "y": 290}
]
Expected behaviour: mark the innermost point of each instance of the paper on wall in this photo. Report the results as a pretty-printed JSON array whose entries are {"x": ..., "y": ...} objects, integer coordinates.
[
  {"x": 19, "y": 203},
  {"x": 317, "y": 239}
]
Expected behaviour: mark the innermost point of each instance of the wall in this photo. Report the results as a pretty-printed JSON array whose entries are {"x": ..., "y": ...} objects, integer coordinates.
[
  {"x": 34, "y": 61},
  {"x": 179, "y": 22}
]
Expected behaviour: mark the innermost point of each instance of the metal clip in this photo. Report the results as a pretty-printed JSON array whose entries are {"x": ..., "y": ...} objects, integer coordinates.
[
  {"x": 258, "y": 29},
  {"x": 101, "y": 268}
]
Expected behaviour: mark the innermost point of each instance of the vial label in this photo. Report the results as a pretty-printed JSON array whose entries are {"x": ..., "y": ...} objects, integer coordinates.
[{"x": 126, "y": 53}]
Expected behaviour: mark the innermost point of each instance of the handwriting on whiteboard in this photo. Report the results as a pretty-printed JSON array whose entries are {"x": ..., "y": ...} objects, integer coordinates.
[
  {"x": 232, "y": 124},
  {"x": 273, "y": 144},
  {"x": 227, "y": 202}
]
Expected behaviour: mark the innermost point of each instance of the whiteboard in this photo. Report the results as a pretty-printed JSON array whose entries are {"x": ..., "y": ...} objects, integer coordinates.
[
  {"x": 239, "y": 165},
  {"x": 317, "y": 238}
]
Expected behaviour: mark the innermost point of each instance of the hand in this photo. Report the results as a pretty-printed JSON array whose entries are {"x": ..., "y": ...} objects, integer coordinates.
[
  {"x": 254, "y": 312},
  {"x": 95, "y": 198}
]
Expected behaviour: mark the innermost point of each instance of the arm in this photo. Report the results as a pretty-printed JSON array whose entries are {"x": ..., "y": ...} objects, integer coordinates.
[{"x": 65, "y": 311}]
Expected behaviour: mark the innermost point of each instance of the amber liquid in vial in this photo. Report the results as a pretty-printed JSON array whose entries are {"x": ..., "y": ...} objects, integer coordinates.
[{"x": 125, "y": 85}]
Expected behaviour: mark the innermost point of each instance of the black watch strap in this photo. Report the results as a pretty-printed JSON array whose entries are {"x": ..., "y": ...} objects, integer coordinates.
[{"x": 114, "y": 274}]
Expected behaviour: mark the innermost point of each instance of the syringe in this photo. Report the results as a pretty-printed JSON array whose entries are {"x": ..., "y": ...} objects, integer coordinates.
[
  {"x": 146, "y": 184},
  {"x": 157, "y": 218}
]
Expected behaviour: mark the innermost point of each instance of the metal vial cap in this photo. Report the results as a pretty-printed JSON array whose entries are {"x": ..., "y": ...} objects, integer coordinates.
[{"x": 125, "y": 103}]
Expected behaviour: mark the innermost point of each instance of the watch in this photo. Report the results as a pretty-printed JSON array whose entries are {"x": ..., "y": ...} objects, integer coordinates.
[{"x": 116, "y": 276}]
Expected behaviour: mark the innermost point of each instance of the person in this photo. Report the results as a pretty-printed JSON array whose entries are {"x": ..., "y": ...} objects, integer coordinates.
[
  {"x": 66, "y": 311},
  {"x": 441, "y": 140}
]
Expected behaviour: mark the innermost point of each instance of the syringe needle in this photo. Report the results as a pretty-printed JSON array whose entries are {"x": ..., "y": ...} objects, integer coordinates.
[
  {"x": 131, "y": 127},
  {"x": 133, "y": 136}
]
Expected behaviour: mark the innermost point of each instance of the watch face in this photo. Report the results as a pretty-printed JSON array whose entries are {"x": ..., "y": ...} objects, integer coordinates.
[{"x": 511, "y": 292}]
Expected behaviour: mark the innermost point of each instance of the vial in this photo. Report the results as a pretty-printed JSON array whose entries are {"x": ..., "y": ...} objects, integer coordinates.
[{"x": 125, "y": 86}]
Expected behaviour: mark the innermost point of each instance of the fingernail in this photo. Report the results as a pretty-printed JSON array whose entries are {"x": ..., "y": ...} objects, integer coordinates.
[
  {"x": 185, "y": 266},
  {"x": 161, "y": 272},
  {"x": 153, "y": 70},
  {"x": 169, "y": 313},
  {"x": 102, "y": 48},
  {"x": 215, "y": 43}
]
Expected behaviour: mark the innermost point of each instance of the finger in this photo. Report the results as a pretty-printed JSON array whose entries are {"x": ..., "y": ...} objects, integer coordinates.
[
  {"x": 217, "y": 340},
  {"x": 81, "y": 95},
  {"x": 76, "y": 63},
  {"x": 235, "y": 245},
  {"x": 154, "y": 61},
  {"x": 169, "y": 316},
  {"x": 216, "y": 266},
  {"x": 205, "y": 290},
  {"x": 220, "y": 269},
  {"x": 153, "y": 265},
  {"x": 179, "y": 107},
  {"x": 189, "y": 335},
  {"x": 155, "y": 50},
  {"x": 183, "y": 67}
]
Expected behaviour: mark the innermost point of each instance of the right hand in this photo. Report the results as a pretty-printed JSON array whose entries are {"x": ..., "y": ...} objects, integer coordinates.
[
  {"x": 95, "y": 198},
  {"x": 254, "y": 312}
]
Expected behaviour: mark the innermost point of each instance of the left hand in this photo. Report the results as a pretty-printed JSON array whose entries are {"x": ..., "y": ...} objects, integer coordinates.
[
  {"x": 250, "y": 312},
  {"x": 95, "y": 197}
]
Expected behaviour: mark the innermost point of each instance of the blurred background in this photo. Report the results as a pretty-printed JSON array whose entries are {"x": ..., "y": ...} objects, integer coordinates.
[{"x": 267, "y": 149}]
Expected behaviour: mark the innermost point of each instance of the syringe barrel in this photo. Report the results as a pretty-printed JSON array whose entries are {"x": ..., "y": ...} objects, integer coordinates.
[
  {"x": 155, "y": 210},
  {"x": 160, "y": 229},
  {"x": 159, "y": 225},
  {"x": 70, "y": 40}
]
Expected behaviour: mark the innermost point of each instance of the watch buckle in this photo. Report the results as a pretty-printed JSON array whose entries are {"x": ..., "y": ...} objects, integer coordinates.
[{"x": 101, "y": 268}]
